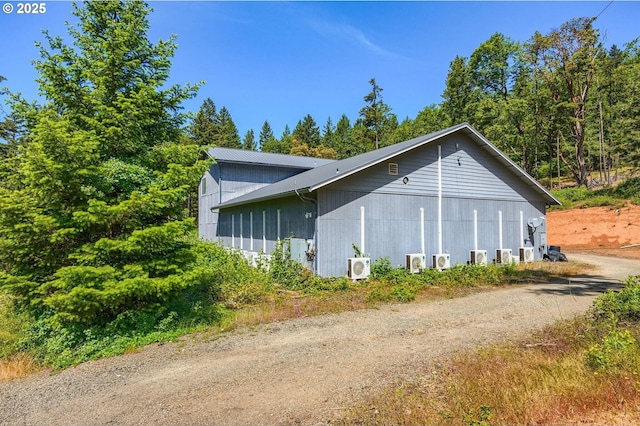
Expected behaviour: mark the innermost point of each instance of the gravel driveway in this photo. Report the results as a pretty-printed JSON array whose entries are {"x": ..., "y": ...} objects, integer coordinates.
[{"x": 302, "y": 371}]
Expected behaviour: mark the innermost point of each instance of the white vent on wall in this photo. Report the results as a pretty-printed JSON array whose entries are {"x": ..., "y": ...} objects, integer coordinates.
[
  {"x": 416, "y": 262},
  {"x": 358, "y": 268},
  {"x": 526, "y": 254},
  {"x": 393, "y": 169},
  {"x": 479, "y": 257},
  {"x": 441, "y": 261}
]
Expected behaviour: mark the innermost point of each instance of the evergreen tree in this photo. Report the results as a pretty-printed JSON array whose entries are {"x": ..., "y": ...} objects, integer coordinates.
[
  {"x": 227, "y": 135},
  {"x": 374, "y": 123},
  {"x": 249, "y": 141},
  {"x": 343, "y": 138},
  {"x": 93, "y": 225},
  {"x": 205, "y": 126},
  {"x": 282, "y": 146},
  {"x": 327, "y": 134},
  {"x": 307, "y": 132},
  {"x": 266, "y": 135},
  {"x": 8, "y": 130}
]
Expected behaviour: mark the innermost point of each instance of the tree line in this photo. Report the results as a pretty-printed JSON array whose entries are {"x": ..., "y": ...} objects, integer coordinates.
[{"x": 558, "y": 104}]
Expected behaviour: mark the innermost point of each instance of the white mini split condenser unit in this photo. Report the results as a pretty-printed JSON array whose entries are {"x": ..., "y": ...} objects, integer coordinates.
[
  {"x": 526, "y": 254},
  {"x": 441, "y": 261},
  {"x": 416, "y": 262},
  {"x": 479, "y": 257},
  {"x": 358, "y": 268},
  {"x": 503, "y": 256}
]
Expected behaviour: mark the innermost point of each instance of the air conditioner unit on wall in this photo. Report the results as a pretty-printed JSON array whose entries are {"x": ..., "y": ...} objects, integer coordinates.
[
  {"x": 503, "y": 256},
  {"x": 358, "y": 268},
  {"x": 526, "y": 254},
  {"x": 416, "y": 262},
  {"x": 441, "y": 261},
  {"x": 479, "y": 257}
]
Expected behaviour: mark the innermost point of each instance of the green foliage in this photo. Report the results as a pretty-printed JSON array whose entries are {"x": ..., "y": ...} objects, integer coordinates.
[
  {"x": 618, "y": 350},
  {"x": 234, "y": 282},
  {"x": 286, "y": 271},
  {"x": 93, "y": 222},
  {"x": 614, "y": 197},
  {"x": 381, "y": 268},
  {"x": 622, "y": 305},
  {"x": 13, "y": 325},
  {"x": 480, "y": 417},
  {"x": 612, "y": 319}
]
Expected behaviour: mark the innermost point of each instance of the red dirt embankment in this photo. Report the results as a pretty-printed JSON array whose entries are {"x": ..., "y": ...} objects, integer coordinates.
[{"x": 599, "y": 230}]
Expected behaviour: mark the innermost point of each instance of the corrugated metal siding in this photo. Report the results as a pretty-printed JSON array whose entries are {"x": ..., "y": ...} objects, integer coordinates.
[
  {"x": 471, "y": 180},
  {"x": 297, "y": 219},
  {"x": 226, "y": 181},
  {"x": 208, "y": 196},
  {"x": 467, "y": 171},
  {"x": 392, "y": 227},
  {"x": 240, "y": 179}
]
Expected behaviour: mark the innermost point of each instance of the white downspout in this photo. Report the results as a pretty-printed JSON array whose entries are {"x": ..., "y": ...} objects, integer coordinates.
[
  {"x": 500, "y": 228},
  {"x": 362, "y": 249},
  {"x": 439, "y": 199},
  {"x": 250, "y": 231},
  {"x": 233, "y": 231},
  {"x": 422, "y": 250},
  {"x": 475, "y": 229},
  {"x": 521, "y": 229},
  {"x": 264, "y": 231},
  {"x": 241, "y": 234}
]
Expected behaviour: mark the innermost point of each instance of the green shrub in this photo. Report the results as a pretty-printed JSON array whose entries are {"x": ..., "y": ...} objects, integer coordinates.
[
  {"x": 402, "y": 293},
  {"x": 627, "y": 189},
  {"x": 617, "y": 351},
  {"x": 380, "y": 268},
  {"x": 13, "y": 326},
  {"x": 233, "y": 281},
  {"x": 623, "y": 305}
]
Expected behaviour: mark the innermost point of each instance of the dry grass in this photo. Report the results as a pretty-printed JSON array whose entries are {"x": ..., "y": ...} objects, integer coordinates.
[
  {"x": 539, "y": 381},
  {"x": 19, "y": 365},
  {"x": 295, "y": 305},
  {"x": 549, "y": 271}
]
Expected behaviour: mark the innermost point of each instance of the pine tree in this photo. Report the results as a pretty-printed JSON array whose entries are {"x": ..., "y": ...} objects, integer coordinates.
[
  {"x": 376, "y": 121},
  {"x": 205, "y": 126},
  {"x": 282, "y": 146},
  {"x": 307, "y": 132},
  {"x": 227, "y": 135},
  {"x": 249, "y": 141},
  {"x": 266, "y": 135},
  {"x": 94, "y": 223},
  {"x": 327, "y": 134}
]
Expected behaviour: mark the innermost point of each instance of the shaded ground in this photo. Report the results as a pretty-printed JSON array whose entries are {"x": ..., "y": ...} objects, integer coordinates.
[{"x": 598, "y": 230}]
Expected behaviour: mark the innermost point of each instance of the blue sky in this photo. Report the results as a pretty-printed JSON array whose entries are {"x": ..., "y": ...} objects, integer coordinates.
[{"x": 279, "y": 61}]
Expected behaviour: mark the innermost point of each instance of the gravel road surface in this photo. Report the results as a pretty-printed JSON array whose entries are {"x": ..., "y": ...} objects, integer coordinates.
[{"x": 303, "y": 371}]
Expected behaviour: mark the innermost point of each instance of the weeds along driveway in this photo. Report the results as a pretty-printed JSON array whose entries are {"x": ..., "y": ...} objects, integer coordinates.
[{"x": 303, "y": 371}]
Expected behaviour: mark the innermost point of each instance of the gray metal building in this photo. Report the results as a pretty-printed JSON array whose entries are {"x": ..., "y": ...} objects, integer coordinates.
[{"x": 441, "y": 199}]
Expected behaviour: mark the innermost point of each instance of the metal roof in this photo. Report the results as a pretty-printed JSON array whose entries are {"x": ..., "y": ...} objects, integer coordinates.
[
  {"x": 230, "y": 155},
  {"x": 318, "y": 177}
]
